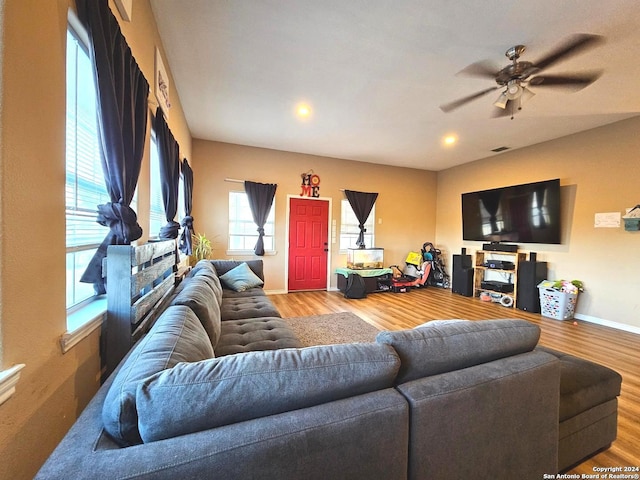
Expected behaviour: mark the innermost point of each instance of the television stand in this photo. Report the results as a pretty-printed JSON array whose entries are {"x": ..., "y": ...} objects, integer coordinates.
[{"x": 484, "y": 274}]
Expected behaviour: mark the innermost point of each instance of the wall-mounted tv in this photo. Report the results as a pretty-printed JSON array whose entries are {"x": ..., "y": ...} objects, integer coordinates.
[{"x": 528, "y": 213}]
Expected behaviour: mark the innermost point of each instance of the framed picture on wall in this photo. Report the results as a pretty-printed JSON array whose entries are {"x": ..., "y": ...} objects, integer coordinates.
[
  {"x": 124, "y": 7},
  {"x": 162, "y": 87}
]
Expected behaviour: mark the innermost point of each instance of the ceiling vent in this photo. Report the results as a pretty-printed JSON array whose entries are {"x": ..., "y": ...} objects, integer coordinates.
[{"x": 500, "y": 149}]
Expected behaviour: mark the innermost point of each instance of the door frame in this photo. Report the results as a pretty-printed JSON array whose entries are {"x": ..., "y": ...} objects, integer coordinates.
[{"x": 330, "y": 237}]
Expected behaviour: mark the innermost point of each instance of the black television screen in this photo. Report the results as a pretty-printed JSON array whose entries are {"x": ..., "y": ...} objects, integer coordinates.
[{"x": 528, "y": 213}]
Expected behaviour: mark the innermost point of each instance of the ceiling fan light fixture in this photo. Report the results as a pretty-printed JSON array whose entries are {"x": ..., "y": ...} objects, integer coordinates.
[
  {"x": 502, "y": 100},
  {"x": 514, "y": 90},
  {"x": 526, "y": 94}
]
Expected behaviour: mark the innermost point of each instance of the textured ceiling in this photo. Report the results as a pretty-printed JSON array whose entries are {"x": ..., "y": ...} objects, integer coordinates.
[{"x": 374, "y": 73}]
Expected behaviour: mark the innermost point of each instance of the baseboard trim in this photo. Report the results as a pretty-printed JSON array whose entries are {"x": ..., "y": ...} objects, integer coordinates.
[{"x": 608, "y": 323}]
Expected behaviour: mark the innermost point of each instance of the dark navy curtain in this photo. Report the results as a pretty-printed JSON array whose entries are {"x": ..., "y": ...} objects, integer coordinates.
[
  {"x": 185, "y": 243},
  {"x": 361, "y": 203},
  {"x": 122, "y": 125},
  {"x": 168, "y": 153},
  {"x": 260, "y": 197}
]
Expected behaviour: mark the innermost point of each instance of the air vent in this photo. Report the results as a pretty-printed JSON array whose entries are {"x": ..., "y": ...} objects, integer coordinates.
[{"x": 499, "y": 149}]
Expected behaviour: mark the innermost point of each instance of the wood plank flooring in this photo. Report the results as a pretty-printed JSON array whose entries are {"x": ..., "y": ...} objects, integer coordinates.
[{"x": 611, "y": 347}]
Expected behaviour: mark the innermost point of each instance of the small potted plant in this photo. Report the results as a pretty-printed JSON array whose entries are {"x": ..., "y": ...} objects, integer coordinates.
[{"x": 201, "y": 248}]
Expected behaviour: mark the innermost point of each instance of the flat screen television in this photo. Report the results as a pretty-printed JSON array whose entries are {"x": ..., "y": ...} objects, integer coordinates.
[{"x": 528, "y": 213}]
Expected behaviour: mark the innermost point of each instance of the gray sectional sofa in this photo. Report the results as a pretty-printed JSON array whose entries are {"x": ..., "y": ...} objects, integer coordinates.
[{"x": 206, "y": 394}]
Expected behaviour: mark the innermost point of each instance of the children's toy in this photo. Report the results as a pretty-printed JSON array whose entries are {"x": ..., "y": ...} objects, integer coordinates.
[
  {"x": 402, "y": 283},
  {"x": 438, "y": 276}
]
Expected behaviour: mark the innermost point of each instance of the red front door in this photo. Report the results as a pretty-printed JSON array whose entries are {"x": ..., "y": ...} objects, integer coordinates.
[{"x": 308, "y": 244}]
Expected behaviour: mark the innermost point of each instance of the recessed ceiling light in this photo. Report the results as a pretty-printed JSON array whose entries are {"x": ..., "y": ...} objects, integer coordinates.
[
  {"x": 449, "y": 139},
  {"x": 303, "y": 111}
]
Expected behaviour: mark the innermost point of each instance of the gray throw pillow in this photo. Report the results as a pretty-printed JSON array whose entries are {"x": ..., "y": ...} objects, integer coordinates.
[
  {"x": 199, "y": 396},
  {"x": 241, "y": 278},
  {"x": 444, "y": 346},
  {"x": 223, "y": 266},
  {"x": 177, "y": 336}
]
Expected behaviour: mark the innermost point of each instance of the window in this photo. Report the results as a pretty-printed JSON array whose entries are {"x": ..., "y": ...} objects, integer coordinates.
[
  {"x": 349, "y": 229},
  {"x": 157, "y": 218},
  {"x": 243, "y": 233},
  {"x": 84, "y": 186}
]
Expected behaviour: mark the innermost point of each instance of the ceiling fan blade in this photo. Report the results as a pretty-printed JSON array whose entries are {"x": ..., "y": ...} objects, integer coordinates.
[
  {"x": 447, "y": 107},
  {"x": 573, "y": 82},
  {"x": 575, "y": 44},
  {"x": 483, "y": 69}
]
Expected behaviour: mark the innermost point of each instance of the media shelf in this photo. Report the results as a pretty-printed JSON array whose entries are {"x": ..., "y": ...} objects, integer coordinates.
[{"x": 508, "y": 276}]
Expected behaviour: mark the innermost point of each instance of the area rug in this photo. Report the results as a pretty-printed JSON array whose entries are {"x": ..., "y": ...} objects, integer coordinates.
[{"x": 342, "y": 327}]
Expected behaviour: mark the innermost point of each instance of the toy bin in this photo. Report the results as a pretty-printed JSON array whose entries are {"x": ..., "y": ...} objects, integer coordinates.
[{"x": 556, "y": 304}]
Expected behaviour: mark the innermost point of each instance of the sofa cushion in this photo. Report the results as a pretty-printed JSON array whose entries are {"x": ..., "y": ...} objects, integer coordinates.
[
  {"x": 443, "y": 346},
  {"x": 241, "y": 278},
  {"x": 235, "y": 308},
  {"x": 177, "y": 336},
  {"x": 251, "y": 292},
  {"x": 223, "y": 266},
  {"x": 198, "y": 294},
  {"x": 205, "y": 266},
  {"x": 248, "y": 335},
  {"x": 583, "y": 384},
  {"x": 213, "y": 281},
  {"x": 198, "y": 396}
]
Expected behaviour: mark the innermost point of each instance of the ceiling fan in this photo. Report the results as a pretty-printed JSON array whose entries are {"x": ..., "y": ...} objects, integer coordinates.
[{"x": 515, "y": 77}]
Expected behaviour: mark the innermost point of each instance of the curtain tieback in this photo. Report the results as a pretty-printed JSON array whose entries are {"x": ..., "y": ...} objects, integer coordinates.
[
  {"x": 261, "y": 231},
  {"x": 170, "y": 230},
  {"x": 121, "y": 220},
  {"x": 187, "y": 222},
  {"x": 362, "y": 227}
]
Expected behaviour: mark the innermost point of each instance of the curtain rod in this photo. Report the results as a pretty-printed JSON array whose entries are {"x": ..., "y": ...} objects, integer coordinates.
[{"x": 233, "y": 180}]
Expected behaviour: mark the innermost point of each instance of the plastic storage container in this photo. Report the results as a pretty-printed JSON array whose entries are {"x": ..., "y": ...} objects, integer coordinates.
[
  {"x": 556, "y": 304},
  {"x": 365, "y": 258}
]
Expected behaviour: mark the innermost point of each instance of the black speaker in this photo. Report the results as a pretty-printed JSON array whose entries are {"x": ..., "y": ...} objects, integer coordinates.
[
  {"x": 499, "y": 247},
  {"x": 530, "y": 274},
  {"x": 462, "y": 281},
  {"x": 462, "y": 261}
]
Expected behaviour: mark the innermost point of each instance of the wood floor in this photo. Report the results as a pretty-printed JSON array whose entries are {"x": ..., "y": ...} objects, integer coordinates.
[{"x": 616, "y": 349}]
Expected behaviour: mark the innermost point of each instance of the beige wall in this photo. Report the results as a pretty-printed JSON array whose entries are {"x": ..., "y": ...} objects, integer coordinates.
[
  {"x": 54, "y": 388},
  {"x": 598, "y": 171},
  {"x": 405, "y": 205}
]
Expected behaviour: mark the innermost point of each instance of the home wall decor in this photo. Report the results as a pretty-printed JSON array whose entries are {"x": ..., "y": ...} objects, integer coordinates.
[
  {"x": 310, "y": 184},
  {"x": 124, "y": 7},
  {"x": 162, "y": 86}
]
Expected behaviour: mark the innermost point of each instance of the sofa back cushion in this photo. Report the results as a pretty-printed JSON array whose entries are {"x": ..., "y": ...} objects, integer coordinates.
[
  {"x": 199, "y": 396},
  {"x": 204, "y": 265},
  {"x": 213, "y": 280},
  {"x": 177, "y": 336},
  {"x": 443, "y": 346},
  {"x": 198, "y": 294}
]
